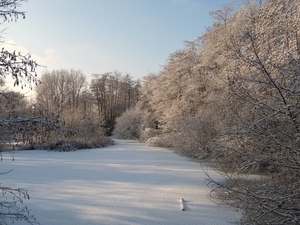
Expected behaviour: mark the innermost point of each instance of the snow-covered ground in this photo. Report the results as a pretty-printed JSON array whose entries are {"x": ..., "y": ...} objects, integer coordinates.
[{"x": 128, "y": 183}]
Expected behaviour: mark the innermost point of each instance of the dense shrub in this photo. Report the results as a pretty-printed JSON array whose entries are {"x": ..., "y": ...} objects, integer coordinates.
[{"x": 128, "y": 126}]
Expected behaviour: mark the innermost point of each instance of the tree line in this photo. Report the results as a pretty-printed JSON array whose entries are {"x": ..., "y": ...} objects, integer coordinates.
[
  {"x": 66, "y": 110},
  {"x": 232, "y": 97}
]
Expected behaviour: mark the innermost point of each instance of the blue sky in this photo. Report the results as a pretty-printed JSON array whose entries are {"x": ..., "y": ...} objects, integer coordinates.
[{"x": 98, "y": 36}]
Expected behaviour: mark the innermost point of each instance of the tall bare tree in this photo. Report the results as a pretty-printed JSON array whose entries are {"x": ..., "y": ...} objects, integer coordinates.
[
  {"x": 64, "y": 93},
  {"x": 114, "y": 93}
]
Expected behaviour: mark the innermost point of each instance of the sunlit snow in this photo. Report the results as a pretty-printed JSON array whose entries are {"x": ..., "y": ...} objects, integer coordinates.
[{"x": 128, "y": 183}]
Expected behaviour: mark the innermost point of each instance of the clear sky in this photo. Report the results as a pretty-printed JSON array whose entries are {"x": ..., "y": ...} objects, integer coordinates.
[{"x": 98, "y": 36}]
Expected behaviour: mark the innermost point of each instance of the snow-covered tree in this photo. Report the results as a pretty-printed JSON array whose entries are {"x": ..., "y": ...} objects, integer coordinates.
[
  {"x": 232, "y": 96},
  {"x": 262, "y": 133},
  {"x": 60, "y": 89}
]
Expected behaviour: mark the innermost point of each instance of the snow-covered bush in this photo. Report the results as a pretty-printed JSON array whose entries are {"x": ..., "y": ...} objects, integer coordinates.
[
  {"x": 163, "y": 140},
  {"x": 128, "y": 125},
  {"x": 149, "y": 127},
  {"x": 89, "y": 129},
  {"x": 195, "y": 134},
  {"x": 148, "y": 133}
]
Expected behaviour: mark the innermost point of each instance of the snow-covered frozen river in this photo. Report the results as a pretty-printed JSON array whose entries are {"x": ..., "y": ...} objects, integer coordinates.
[{"x": 128, "y": 183}]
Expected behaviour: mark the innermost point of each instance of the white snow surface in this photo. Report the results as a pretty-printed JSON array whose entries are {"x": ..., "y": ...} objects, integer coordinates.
[{"x": 128, "y": 183}]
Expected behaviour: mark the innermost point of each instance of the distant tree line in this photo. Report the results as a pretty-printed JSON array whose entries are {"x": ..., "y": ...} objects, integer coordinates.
[
  {"x": 67, "y": 112},
  {"x": 67, "y": 93},
  {"x": 232, "y": 97}
]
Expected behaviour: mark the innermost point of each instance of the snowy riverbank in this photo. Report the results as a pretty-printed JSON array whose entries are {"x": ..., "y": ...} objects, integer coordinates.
[{"x": 128, "y": 183}]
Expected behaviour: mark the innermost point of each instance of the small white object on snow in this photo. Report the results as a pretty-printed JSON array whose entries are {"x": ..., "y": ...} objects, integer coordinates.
[{"x": 182, "y": 204}]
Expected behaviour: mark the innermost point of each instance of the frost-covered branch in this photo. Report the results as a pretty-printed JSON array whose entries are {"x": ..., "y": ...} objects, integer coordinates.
[
  {"x": 21, "y": 67},
  {"x": 12, "y": 209}
]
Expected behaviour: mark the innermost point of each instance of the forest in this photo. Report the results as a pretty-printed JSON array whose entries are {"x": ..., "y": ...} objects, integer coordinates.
[{"x": 230, "y": 97}]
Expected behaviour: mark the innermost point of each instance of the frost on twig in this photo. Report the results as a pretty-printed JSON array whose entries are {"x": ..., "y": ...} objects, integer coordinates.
[{"x": 11, "y": 205}]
